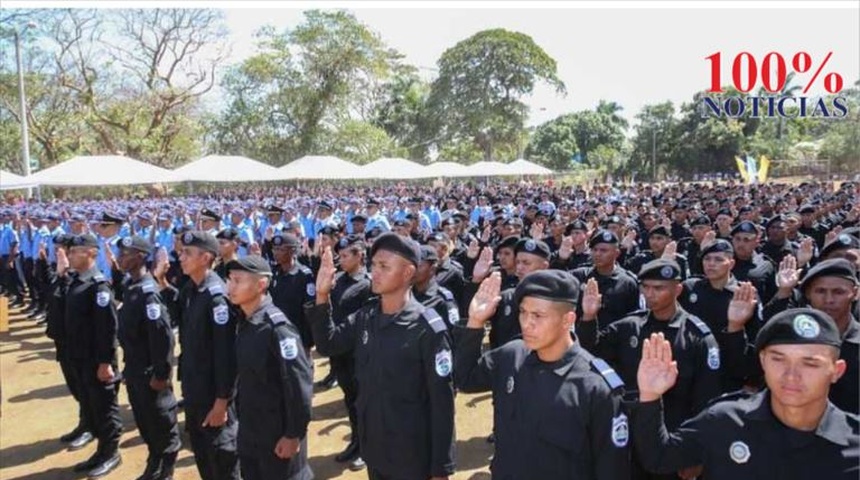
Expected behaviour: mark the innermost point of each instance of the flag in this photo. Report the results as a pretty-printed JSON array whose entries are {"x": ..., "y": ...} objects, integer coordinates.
[
  {"x": 752, "y": 170},
  {"x": 742, "y": 167},
  {"x": 763, "y": 169}
]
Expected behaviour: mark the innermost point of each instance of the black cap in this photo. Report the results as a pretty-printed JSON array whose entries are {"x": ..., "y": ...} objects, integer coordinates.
[
  {"x": 332, "y": 230},
  {"x": 843, "y": 241},
  {"x": 552, "y": 285},
  {"x": 508, "y": 242},
  {"x": 535, "y": 247},
  {"x": 372, "y": 202},
  {"x": 286, "y": 240},
  {"x": 358, "y": 217},
  {"x": 251, "y": 263},
  {"x": 349, "y": 241},
  {"x": 718, "y": 245},
  {"x": 725, "y": 211},
  {"x": 324, "y": 204},
  {"x": 799, "y": 326},
  {"x": 440, "y": 237},
  {"x": 274, "y": 209},
  {"x": 774, "y": 220},
  {"x": 660, "y": 230},
  {"x": 808, "y": 208},
  {"x": 400, "y": 223},
  {"x": 398, "y": 245},
  {"x": 84, "y": 240},
  {"x": 614, "y": 219},
  {"x": 181, "y": 229},
  {"x": 603, "y": 236},
  {"x": 835, "y": 267},
  {"x": 517, "y": 221},
  {"x": 428, "y": 254},
  {"x": 745, "y": 227},
  {"x": 62, "y": 239},
  {"x": 701, "y": 220},
  {"x": 228, "y": 233},
  {"x": 136, "y": 242},
  {"x": 200, "y": 239},
  {"x": 111, "y": 218},
  {"x": 207, "y": 214},
  {"x": 660, "y": 269},
  {"x": 575, "y": 225}
]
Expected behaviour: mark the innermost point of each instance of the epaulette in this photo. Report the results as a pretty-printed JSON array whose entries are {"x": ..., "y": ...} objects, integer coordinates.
[
  {"x": 447, "y": 294},
  {"x": 434, "y": 320},
  {"x": 609, "y": 375},
  {"x": 305, "y": 269},
  {"x": 148, "y": 287},
  {"x": 215, "y": 289},
  {"x": 99, "y": 278},
  {"x": 699, "y": 325},
  {"x": 276, "y": 316}
]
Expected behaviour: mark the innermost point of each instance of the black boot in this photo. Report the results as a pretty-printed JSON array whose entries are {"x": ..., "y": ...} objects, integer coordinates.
[
  {"x": 107, "y": 464},
  {"x": 73, "y": 434},
  {"x": 88, "y": 464},
  {"x": 153, "y": 468},
  {"x": 81, "y": 441},
  {"x": 168, "y": 461},
  {"x": 349, "y": 453}
]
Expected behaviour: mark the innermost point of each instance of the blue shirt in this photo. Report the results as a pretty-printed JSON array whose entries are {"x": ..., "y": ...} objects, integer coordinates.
[
  {"x": 164, "y": 238},
  {"x": 26, "y": 242},
  {"x": 378, "y": 220},
  {"x": 308, "y": 226},
  {"x": 51, "y": 248},
  {"x": 6, "y": 238},
  {"x": 101, "y": 259}
]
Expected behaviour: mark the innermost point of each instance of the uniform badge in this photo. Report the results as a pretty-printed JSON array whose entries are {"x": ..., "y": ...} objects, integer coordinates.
[
  {"x": 187, "y": 238},
  {"x": 443, "y": 363},
  {"x": 289, "y": 348},
  {"x": 344, "y": 242},
  {"x": 844, "y": 239},
  {"x": 714, "y": 358},
  {"x": 739, "y": 451},
  {"x": 620, "y": 431},
  {"x": 153, "y": 311},
  {"x": 805, "y": 326},
  {"x": 311, "y": 289},
  {"x": 364, "y": 337},
  {"x": 507, "y": 310},
  {"x": 667, "y": 272},
  {"x": 221, "y": 314},
  {"x": 530, "y": 245},
  {"x": 453, "y": 316},
  {"x": 103, "y": 298},
  {"x": 509, "y": 387},
  {"x": 694, "y": 298},
  {"x": 126, "y": 242},
  {"x": 634, "y": 341},
  {"x": 607, "y": 236}
]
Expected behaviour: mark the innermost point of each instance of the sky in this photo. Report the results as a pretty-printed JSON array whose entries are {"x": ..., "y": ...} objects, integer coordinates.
[{"x": 633, "y": 53}]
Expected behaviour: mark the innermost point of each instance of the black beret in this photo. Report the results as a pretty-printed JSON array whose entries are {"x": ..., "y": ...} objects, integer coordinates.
[
  {"x": 324, "y": 204},
  {"x": 111, "y": 218},
  {"x": 508, "y": 242},
  {"x": 428, "y": 254},
  {"x": 701, "y": 220},
  {"x": 808, "y": 208},
  {"x": 660, "y": 230},
  {"x": 660, "y": 269},
  {"x": 207, "y": 214},
  {"x": 535, "y": 247},
  {"x": 603, "y": 236},
  {"x": 400, "y": 223},
  {"x": 250, "y": 263},
  {"x": 575, "y": 225},
  {"x": 745, "y": 227},
  {"x": 180, "y": 229},
  {"x": 394, "y": 243},
  {"x": 725, "y": 211},
  {"x": 286, "y": 240},
  {"x": 835, "y": 267},
  {"x": 552, "y": 285},
  {"x": 84, "y": 240},
  {"x": 228, "y": 233},
  {"x": 843, "y": 241},
  {"x": 514, "y": 221},
  {"x": 774, "y": 220},
  {"x": 62, "y": 239},
  {"x": 136, "y": 242},
  {"x": 329, "y": 230},
  {"x": 274, "y": 209},
  {"x": 200, "y": 239},
  {"x": 799, "y": 326},
  {"x": 358, "y": 217},
  {"x": 718, "y": 245},
  {"x": 349, "y": 241}
]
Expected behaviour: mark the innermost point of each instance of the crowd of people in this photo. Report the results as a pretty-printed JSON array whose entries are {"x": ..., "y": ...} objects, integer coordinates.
[{"x": 685, "y": 330}]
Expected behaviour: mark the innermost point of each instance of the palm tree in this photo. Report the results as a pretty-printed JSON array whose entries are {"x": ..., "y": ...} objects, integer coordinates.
[{"x": 611, "y": 109}]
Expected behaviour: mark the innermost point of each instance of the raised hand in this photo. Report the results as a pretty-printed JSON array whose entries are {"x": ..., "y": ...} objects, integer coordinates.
[
  {"x": 62, "y": 262},
  {"x": 629, "y": 240},
  {"x": 255, "y": 248},
  {"x": 162, "y": 264},
  {"x": 474, "y": 249},
  {"x": 788, "y": 276},
  {"x": 566, "y": 248},
  {"x": 804, "y": 254},
  {"x": 591, "y": 301},
  {"x": 742, "y": 307},
  {"x": 485, "y": 235},
  {"x": 536, "y": 232},
  {"x": 485, "y": 301},
  {"x": 325, "y": 276},
  {"x": 657, "y": 371},
  {"x": 670, "y": 250},
  {"x": 482, "y": 266},
  {"x": 832, "y": 234},
  {"x": 709, "y": 237}
]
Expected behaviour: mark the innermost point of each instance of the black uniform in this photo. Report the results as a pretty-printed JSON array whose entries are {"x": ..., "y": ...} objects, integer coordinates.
[
  {"x": 690, "y": 249},
  {"x": 406, "y": 397},
  {"x": 275, "y": 386},
  {"x": 90, "y": 325},
  {"x": 560, "y": 420},
  {"x": 147, "y": 342},
  {"x": 440, "y": 299},
  {"x": 505, "y": 323},
  {"x": 635, "y": 264},
  {"x": 291, "y": 292},
  {"x": 574, "y": 261},
  {"x": 207, "y": 369},
  {"x": 449, "y": 275},
  {"x": 759, "y": 271},
  {"x": 777, "y": 252},
  {"x": 740, "y": 438},
  {"x": 620, "y": 291}
]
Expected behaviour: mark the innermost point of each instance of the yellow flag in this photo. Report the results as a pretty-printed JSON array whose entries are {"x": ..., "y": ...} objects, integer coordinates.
[
  {"x": 742, "y": 167},
  {"x": 764, "y": 165}
]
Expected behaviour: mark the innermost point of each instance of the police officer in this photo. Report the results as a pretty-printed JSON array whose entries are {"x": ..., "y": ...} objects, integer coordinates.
[
  {"x": 659, "y": 239},
  {"x": 789, "y": 431},
  {"x": 403, "y": 366},
  {"x": 147, "y": 341},
  {"x": 210, "y": 221},
  {"x": 751, "y": 266},
  {"x": 207, "y": 366},
  {"x": 573, "y": 251},
  {"x": 275, "y": 382},
  {"x": 557, "y": 408},
  {"x": 90, "y": 324},
  {"x": 620, "y": 343},
  {"x": 428, "y": 291},
  {"x": 691, "y": 246},
  {"x": 293, "y": 284},
  {"x": 228, "y": 250}
]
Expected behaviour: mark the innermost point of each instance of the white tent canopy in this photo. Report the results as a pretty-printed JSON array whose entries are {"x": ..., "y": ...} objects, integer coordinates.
[
  {"x": 525, "y": 167},
  {"x": 490, "y": 169},
  {"x": 446, "y": 169},
  {"x": 10, "y": 181},
  {"x": 318, "y": 167},
  {"x": 393, "y": 168},
  {"x": 224, "y": 168},
  {"x": 101, "y": 170}
]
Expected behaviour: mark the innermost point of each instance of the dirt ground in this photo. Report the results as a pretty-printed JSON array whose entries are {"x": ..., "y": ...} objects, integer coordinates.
[{"x": 37, "y": 409}]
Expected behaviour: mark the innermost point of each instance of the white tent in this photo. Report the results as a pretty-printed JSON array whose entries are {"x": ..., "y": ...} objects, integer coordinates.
[
  {"x": 224, "y": 168},
  {"x": 393, "y": 168},
  {"x": 318, "y": 167},
  {"x": 101, "y": 170},
  {"x": 10, "y": 181},
  {"x": 490, "y": 169},
  {"x": 525, "y": 167},
  {"x": 446, "y": 169}
]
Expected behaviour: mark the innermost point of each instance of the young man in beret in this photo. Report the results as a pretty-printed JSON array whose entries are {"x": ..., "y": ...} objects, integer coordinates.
[
  {"x": 659, "y": 239},
  {"x": 429, "y": 293},
  {"x": 750, "y": 265},
  {"x": 692, "y": 245},
  {"x": 228, "y": 250},
  {"x": 557, "y": 409},
  {"x": 403, "y": 365},
  {"x": 788, "y": 431},
  {"x": 274, "y": 377},
  {"x": 292, "y": 286}
]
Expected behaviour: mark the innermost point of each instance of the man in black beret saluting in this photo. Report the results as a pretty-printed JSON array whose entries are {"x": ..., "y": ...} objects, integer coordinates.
[
  {"x": 557, "y": 409},
  {"x": 789, "y": 431},
  {"x": 403, "y": 366}
]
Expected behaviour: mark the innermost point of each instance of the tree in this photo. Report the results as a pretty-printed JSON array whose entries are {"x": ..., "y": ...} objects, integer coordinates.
[
  {"x": 401, "y": 112},
  {"x": 359, "y": 142},
  {"x": 554, "y": 143},
  {"x": 655, "y": 138},
  {"x": 477, "y": 95}
]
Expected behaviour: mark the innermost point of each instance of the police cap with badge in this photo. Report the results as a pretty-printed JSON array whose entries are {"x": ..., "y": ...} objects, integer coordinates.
[
  {"x": 428, "y": 254},
  {"x": 394, "y": 243},
  {"x": 229, "y": 233},
  {"x": 349, "y": 241},
  {"x": 285, "y": 240},
  {"x": 799, "y": 326},
  {"x": 717, "y": 246},
  {"x": 660, "y": 269},
  {"x": 111, "y": 218},
  {"x": 86, "y": 240},
  {"x": 603, "y": 236},
  {"x": 532, "y": 246},
  {"x": 200, "y": 239},
  {"x": 745, "y": 226},
  {"x": 835, "y": 267},
  {"x": 552, "y": 285},
  {"x": 252, "y": 264},
  {"x": 135, "y": 243},
  {"x": 207, "y": 214},
  {"x": 843, "y": 241}
]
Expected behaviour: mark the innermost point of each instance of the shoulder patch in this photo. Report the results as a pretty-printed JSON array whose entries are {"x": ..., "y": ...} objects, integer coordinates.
[
  {"x": 148, "y": 287},
  {"x": 447, "y": 294},
  {"x": 215, "y": 289},
  {"x": 276, "y": 316},
  {"x": 434, "y": 320},
  {"x": 153, "y": 311},
  {"x": 289, "y": 348},
  {"x": 221, "y": 314},
  {"x": 103, "y": 298},
  {"x": 305, "y": 270},
  {"x": 609, "y": 375},
  {"x": 700, "y": 325},
  {"x": 99, "y": 278}
]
